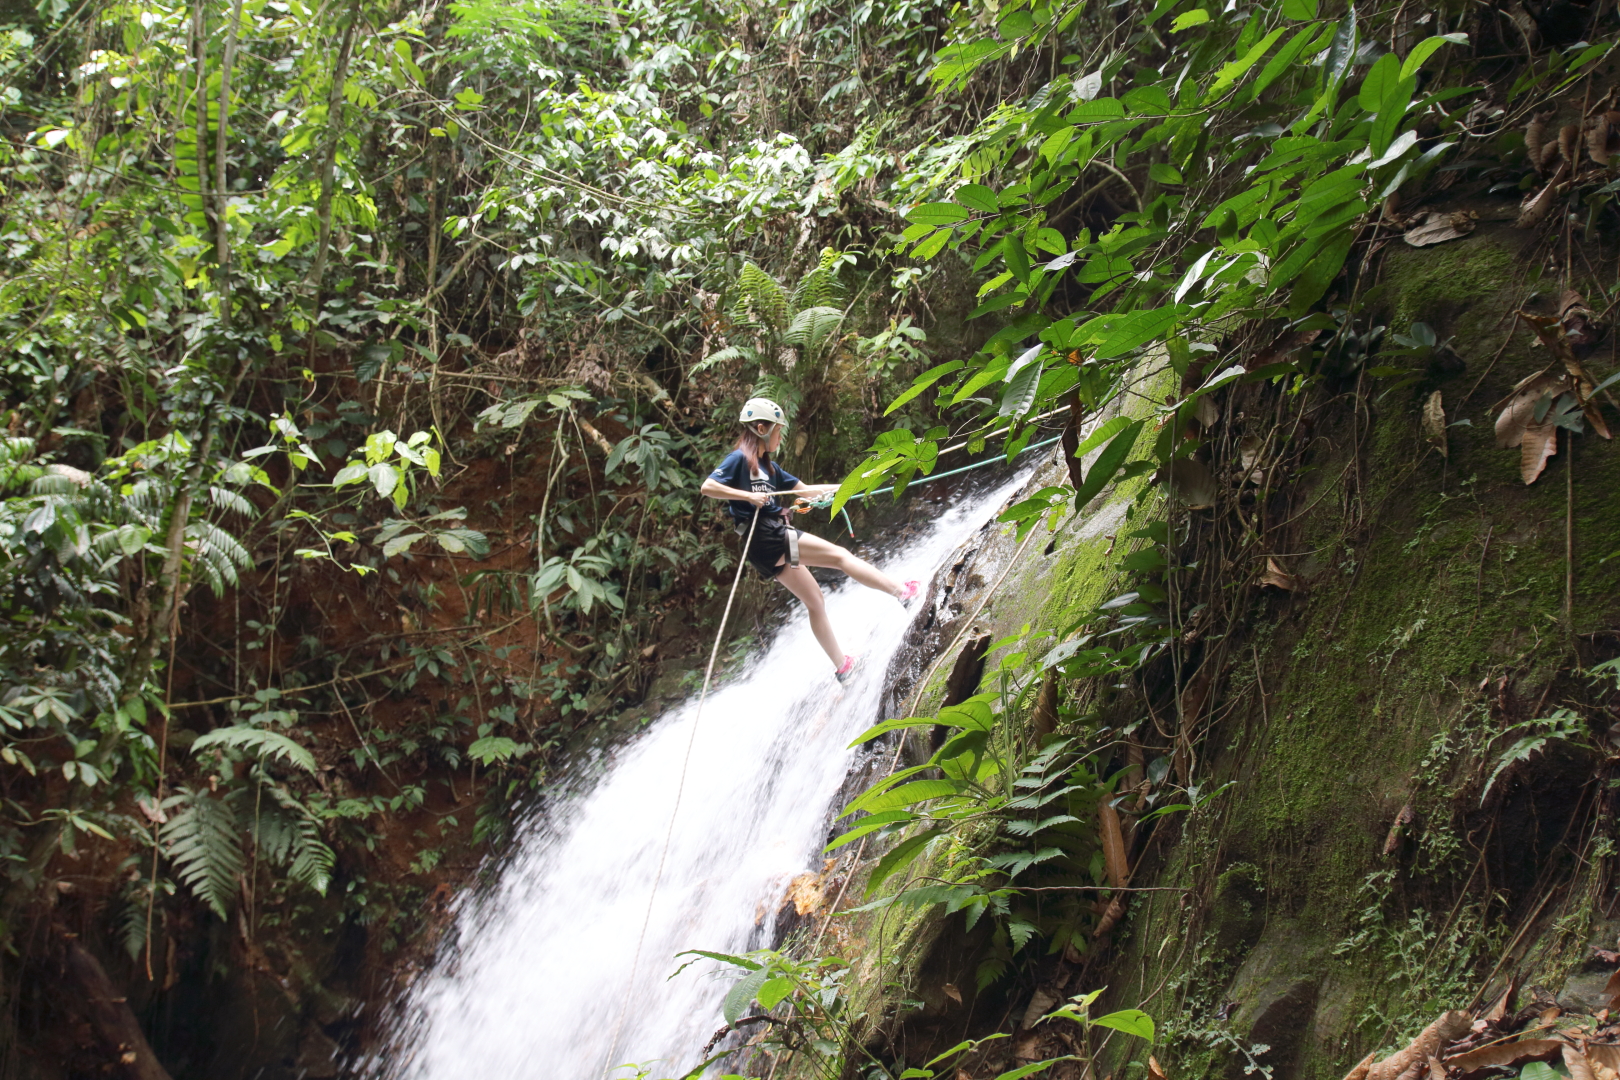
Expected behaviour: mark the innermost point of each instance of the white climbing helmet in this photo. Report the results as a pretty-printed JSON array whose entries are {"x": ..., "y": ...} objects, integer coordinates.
[{"x": 759, "y": 409}]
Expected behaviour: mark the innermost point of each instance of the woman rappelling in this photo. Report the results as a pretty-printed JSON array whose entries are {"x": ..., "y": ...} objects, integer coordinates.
[{"x": 750, "y": 479}]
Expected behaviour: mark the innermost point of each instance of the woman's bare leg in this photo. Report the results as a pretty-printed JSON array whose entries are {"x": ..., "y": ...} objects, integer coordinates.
[
  {"x": 814, "y": 551},
  {"x": 800, "y": 583}
]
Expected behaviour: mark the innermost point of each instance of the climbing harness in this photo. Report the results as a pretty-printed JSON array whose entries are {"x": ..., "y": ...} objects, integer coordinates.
[{"x": 680, "y": 790}]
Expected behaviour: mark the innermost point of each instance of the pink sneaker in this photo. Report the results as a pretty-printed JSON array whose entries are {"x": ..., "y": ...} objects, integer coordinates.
[
  {"x": 909, "y": 592},
  {"x": 843, "y": 673}
]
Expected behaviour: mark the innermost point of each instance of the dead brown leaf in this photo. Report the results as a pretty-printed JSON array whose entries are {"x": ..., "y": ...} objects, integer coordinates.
[
  {"x": 1392, "y": 842},
  {"x": 1569, "y": 143},
  {"x": 1504, "y": 1004},
  {"x": 1043, "y": 1002},
  {"x": 1513, "y": 1053},
  {"x": 1539, "y": 204},
  {"x": 1431, "y": 1041},
  {"x": 952, "y": 992},
  {"x": 1206, "y": 412},
  {"x": 1249, "y": 448},
  {"x": 1111, "y": 915},
  {"x": 1605, "y": 1061},
  {"x": 1189, "y": 483},
  {"x": 1594, "y": 416},
  {"x": 1155, "y": 1070},
  {"x": 1437, "y": 1071},
  {"x": 1535, "y": 137},
  {"x": 1278, "y": 578},
  {"x": 1539, "y": 445},
  {"x": 1579, "y": 1068},
  {"x": 1435, "y": 227},
  {"x": 1359, "y": 1071},
  {"x": 1434, "y": 422},
  {"x": 1520, "y": 411},
  {"x": 1597, "y": 139},
  {"x": 1285, "y": 345},
  {"x": 1113, "y": 842},
  {"x": 1581, "y": 327},
  {"x": 1611, "y": 989}
]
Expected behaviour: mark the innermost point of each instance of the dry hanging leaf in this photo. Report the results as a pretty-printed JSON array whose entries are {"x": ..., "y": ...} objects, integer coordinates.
[
  {"x": 1111, "y": 915},
  {"x": 1594, "y": 416},
  {"x": 1249, "y": 448},
  {"x": 1580, "y": 326},
  {"x": 1535, "y": 137},
  {"x": 1597, "y": 140},
  {"x": 1113, "y": 842},
  {"x": 1206, "y": 412},
  {"x": 1189, "y": 483},
  {"x": 1278, "y": 578},
  {"x": 1569, "y": 144},
  {"x": 1611, "y": 989},
  {"x": 1392, "y": 842},
  {"x": 1155, "y": 1070},
  {"x": 1435, "y": 227},
  {"x": 1539, "y": 445},
  {"x": 1538, "y": 204},
  {"x": 1434, "y": 422},
  {"x": 1039, "y": 1005},
  {"x": 1514, "y": 1053},
  {"x": 953, "y": 993},
  {"x": 1520, "y": 411},
  {"x": 1450, "y": 1026}
]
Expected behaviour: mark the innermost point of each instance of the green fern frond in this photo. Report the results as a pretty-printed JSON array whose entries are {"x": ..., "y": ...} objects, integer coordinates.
[
  {"x": 218, "y": 554},
  {"x": 312, "y": 859},
  {"x": 230, "y": 501},
  {"x": 812, "y": 327},
  {"x": 202, "y": 843},
  {"x": 287, "y": 834},
  {"x": 264, "y": 743},
  {"x": 763, "y": 298},
  {"x": 132, "y": 919},
  {"x": 821, "y": 287},
  {"x": 731, "y": 352}
]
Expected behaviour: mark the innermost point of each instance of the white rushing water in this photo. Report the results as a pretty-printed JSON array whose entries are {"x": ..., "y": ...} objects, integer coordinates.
[{"x": 536, "y": 985}]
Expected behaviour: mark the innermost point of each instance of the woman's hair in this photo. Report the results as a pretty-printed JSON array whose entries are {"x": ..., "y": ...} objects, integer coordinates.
[{"x": 752, "y": 446}]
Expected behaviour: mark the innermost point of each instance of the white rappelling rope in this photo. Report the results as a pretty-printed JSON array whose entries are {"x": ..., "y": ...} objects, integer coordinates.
[{"x": 680, "y": 789}]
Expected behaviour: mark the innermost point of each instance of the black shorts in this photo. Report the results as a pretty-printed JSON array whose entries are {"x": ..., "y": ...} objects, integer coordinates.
[{"x": 775, "y": 541}]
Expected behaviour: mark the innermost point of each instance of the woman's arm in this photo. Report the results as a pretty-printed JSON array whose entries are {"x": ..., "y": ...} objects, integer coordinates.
[
  {"x": 814, "y": 489},
  {"x": 714, "y": 489}
]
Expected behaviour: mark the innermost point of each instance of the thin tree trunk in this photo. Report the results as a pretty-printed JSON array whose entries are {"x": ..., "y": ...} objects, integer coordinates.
[
  {"x": 334, "y": 115},
  {"x": 222, "y": 241},
  {"x": 199, "y": 31}
]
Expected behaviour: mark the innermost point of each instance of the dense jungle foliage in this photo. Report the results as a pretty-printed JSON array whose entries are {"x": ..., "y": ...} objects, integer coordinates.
[{"x": 361, "y": 361}]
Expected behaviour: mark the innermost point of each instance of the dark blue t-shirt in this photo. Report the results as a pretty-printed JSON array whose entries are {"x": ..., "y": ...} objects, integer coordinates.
[{"x": 733, "y": 472}]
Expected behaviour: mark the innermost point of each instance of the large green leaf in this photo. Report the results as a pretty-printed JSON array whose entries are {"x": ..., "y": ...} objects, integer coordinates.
[
  {"x": 1130, "y": 1021},
  {"x": 1107, "y": 464},
  {"x": 899, "y": 858},
  {"x": 938, "y": 213}
]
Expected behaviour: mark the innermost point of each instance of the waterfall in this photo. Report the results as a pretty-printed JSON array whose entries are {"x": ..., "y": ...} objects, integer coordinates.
[{"x": 534, "y": 986}]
